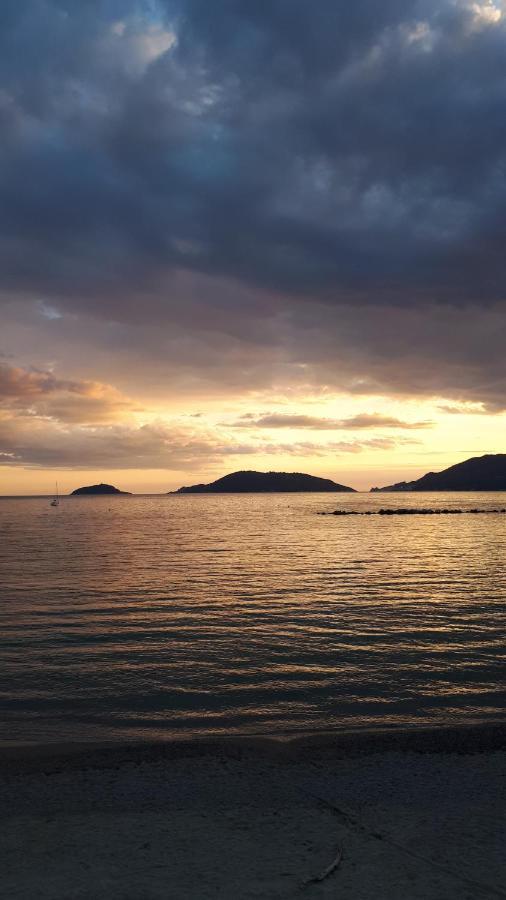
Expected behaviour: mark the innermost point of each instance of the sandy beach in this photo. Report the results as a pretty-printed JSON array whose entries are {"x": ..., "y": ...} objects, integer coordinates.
[{"x": 406, "y": 815}]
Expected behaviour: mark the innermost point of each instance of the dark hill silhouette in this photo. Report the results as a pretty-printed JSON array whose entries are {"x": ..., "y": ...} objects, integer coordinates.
[
  {"x": 481, "y": 473},
  {"x": 98, "y": 489},
  {"x": 264, "y": 482}
]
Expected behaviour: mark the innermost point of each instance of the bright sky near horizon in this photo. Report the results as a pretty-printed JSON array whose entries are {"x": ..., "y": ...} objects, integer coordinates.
[{"x": 250, "y": 236}]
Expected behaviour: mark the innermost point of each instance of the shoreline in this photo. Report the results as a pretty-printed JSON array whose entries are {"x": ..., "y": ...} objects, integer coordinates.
[
  {"x": 395, "y": 816},
  {"x": 457, "y": 739}
]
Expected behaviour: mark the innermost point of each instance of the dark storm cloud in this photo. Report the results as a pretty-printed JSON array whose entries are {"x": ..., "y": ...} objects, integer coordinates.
[
  {"x": 258, "y": 193},
  {"x": 338, "y": 150}
]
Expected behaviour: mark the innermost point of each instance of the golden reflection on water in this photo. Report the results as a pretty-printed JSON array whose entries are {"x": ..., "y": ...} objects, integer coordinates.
[{"x": 149, "y": 616}]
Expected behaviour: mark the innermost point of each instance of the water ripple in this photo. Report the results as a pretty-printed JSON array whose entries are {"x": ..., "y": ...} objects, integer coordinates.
[{"x": 169, "y": 616}]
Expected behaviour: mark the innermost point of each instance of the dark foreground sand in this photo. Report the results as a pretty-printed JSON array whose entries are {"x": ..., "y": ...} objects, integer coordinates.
[{"x": 246, "y": 819}]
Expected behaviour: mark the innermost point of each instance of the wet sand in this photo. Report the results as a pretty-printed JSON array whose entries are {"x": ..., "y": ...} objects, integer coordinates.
[{"x": 417, "y": 814}]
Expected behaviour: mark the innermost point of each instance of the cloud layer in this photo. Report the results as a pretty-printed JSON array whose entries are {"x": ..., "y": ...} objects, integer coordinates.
[
  {"x": 226, "y": 199},
  {"x": 320, "y": 423},
  {"x": 46, "y": 422},
  {"x": 341, "y": 151},
  {"x": 39, "y": 394}
]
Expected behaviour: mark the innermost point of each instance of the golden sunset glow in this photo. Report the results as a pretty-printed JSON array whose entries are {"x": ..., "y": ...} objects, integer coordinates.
[{"x": 361, "y": 441}]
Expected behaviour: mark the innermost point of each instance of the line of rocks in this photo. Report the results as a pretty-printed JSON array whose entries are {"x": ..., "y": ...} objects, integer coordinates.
[{"x": 406, "y": 511}]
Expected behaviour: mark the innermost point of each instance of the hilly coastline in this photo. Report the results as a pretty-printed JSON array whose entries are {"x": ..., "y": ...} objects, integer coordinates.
[
  {"x": 480, "y": 473},
  {"x": 266, "y": 482}
]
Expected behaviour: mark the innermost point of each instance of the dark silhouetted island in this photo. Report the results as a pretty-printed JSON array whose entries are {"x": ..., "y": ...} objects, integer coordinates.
[
  {"x": 97, "y": 489},
  {"x": 481, "y": 473},
  {"x": 265, "y": 482}
]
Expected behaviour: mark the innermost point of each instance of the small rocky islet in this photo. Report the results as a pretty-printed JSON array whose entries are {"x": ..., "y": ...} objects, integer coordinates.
[{"x": 97, "y": 490}]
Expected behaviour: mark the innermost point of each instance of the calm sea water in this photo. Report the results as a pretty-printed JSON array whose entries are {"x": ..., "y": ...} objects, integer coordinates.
[{"x": 145, "y": 617}]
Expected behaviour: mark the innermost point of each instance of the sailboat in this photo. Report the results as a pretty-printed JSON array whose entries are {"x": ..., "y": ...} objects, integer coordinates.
[{"x": 56, "y": 500}]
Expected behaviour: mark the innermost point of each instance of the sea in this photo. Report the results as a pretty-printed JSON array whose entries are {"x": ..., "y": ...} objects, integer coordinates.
[{"x": 145, "y": 618}]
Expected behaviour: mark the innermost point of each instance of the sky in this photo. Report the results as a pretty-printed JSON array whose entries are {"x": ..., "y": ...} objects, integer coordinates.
[{"x": 250, "y": 235}]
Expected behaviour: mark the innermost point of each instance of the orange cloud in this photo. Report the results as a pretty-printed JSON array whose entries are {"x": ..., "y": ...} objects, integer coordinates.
[
  {"x": 321, "y": 423},
  {"x": 38, "y": 393}
]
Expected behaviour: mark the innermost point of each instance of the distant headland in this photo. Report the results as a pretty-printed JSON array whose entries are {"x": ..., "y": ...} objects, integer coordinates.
[
  {"x": 480, "y": 473},
  {"x": 97, "y": 489},
  {"x": 265, "y": 482}
]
